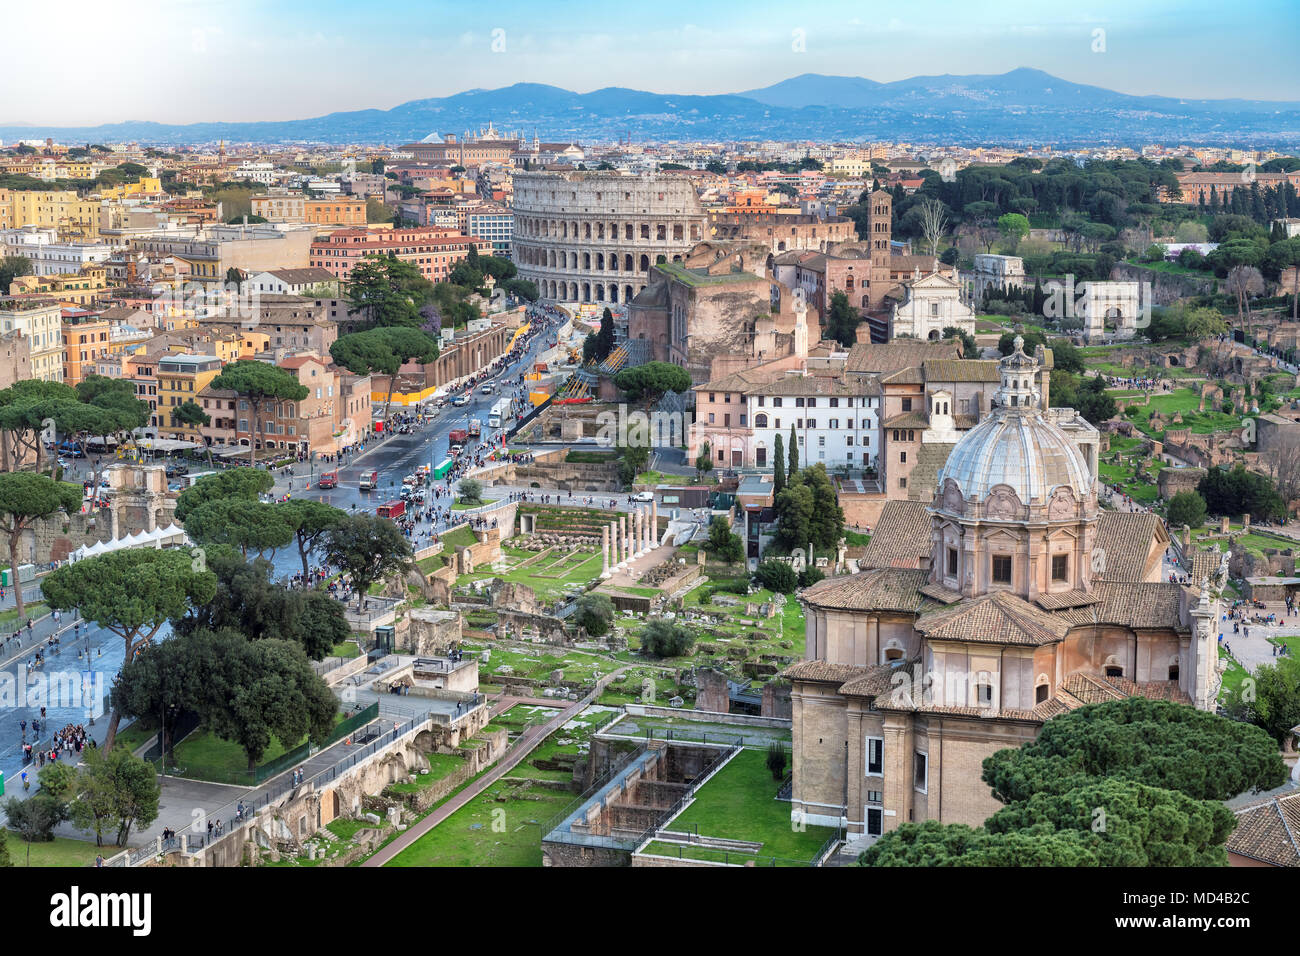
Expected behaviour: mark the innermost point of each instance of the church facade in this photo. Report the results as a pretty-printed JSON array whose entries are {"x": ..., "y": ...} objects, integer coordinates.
[{"x": 1007, "y": 599}]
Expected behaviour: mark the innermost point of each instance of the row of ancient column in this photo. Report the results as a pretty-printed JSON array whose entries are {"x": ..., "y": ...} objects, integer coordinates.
[{"x": 631, "y": 536}]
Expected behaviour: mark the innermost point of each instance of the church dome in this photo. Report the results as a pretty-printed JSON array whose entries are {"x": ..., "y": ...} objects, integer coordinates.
[{"x": 1016, "y": 446}]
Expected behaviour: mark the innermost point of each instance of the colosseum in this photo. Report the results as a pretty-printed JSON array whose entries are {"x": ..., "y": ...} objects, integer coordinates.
[{"x": 593, "y": 236}]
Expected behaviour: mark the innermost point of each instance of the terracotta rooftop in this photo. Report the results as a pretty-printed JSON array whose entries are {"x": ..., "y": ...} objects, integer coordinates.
[
  {"x": 1131, "y": 604},
  {"x": 1131, "y": 545},
  {"x": 882, "y": 589},
  {"x": 997, "y": 618},
  {"x": 1269, "y": 831},
  {"x": 894, "y": 356},
  {"x": 901, "y": 538}
]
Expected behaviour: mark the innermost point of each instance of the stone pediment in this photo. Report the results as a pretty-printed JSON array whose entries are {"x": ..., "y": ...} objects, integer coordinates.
[{"x": 1003, "y": 504}]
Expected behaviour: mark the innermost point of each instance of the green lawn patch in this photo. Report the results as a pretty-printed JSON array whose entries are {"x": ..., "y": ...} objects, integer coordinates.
[
  {"x": 61, "y": 851},
  {"x": 739, "y": 803}
]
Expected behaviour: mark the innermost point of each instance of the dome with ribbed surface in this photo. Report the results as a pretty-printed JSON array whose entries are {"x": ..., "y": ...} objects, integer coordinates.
[
  {"x": 1020, "y": 449},
  {"x": 1016, "y": 446}
]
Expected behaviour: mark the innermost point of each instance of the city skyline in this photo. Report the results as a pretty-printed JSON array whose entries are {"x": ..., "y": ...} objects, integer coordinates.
[{"x": 222, "y": 55}]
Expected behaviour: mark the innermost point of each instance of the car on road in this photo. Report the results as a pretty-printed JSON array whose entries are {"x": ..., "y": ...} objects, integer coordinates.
[
  {"x": 645, "y": 496},
  {"x": 460, "y": 401},
  {"x": 486, "y": 389}
]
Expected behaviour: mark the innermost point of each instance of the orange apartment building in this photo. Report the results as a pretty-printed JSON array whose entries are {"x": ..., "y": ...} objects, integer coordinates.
[{"x": 433, "y": 251}]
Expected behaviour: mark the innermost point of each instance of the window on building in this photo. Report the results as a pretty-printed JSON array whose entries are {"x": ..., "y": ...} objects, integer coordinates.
[
  {"x": 1114, "y": 671},
  {"x": 875, "y": 756},
  {"x": 984, "y": 694},
  {"x": 952, "y": 561},
  {"x": 919, "y": 777},
  {"x": 907, "y": 404},
  {"x": 902, "y": 458},
  {"x": 1002, "y": 568},
  {"x": 1060, "y": 567},
  {"x": 760, "y": 421},
  {"x": 1040, "y": 693},
  {"x": 776, "y": 403}
]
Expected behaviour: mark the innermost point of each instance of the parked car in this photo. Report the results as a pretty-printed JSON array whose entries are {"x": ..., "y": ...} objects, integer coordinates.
[
  {"x": 460, "y": 400},
  {"x": 645, "y": 496}
]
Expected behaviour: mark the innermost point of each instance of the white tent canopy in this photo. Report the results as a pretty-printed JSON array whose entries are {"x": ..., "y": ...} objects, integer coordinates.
[{"x": 170, "y": 537}]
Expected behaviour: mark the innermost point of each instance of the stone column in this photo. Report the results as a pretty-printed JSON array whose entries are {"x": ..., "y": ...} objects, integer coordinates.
[
  {"x": 623, "y": 541},
  {"x": 604, "y": 552},
  {"x": 638, "y": 533},
  {"x": 615, "y": 557},
  {"x": 654, "y": 523}
]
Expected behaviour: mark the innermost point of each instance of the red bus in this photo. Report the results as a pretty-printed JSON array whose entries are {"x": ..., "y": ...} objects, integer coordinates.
[{"x": 391, "y": 509}]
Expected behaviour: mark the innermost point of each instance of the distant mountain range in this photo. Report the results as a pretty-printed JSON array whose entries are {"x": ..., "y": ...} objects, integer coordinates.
[{"x": 1023, "y": 106}]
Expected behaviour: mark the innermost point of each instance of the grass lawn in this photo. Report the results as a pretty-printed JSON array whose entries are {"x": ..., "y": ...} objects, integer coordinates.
[
  {"x": 33, "y": 610},
  {"x": 659, "y": 478},
  {"x": 204, "y": 756},
  {"x": 61, "y": 851},
  {"x": 740, "y": 803},
  {"x": 1232, "y": 677},
  {"x": 345, "y": 649},
  {"x": 502, "y": 825},
  {"x": 441, "y": 766}
]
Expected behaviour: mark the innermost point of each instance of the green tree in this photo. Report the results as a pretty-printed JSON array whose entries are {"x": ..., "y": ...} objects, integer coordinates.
[
  {"x": 11, "y": 268},
  {"x": 249, "y": 601},
  {"x": 968, "y": 347},
  {"x": 778, "y": 465},
  {"x": 703, "y": 462},
  {"x": 666, "y": 639},
  {"x": 1154, "y": 742},
  {"x": 367, "y": 548},
  {"x": 633, "y": 460},
  {"x": 259, "y": 690},
  {"x": 1240, "y": 491},
  {"x": 595, "y": 614},
  {"x": 1066, "y": 356},
  {"x": 794, "y": 509},
  {"x": 309, "y": 520},
  {"x": 471, "y": 491},
  {"x": 935, "y": 844},
  {"x": 26, "y": 499},
  {"x": 245, "y": 484},
  {"x": 246, "y": 525},
  {"x": 826, "y": 523},
  {"x": 189, "y": 414},
  {"x": 132, "y": 593},
  {"x": 35, "y": 818},
  {"x": 723, "y": 543},
  {"x": 792, "y": 461},
  {"x": 842, "y": 320},
  {"x": 1013, "y": 226},
  {"x": 259, "y": 383},
  {"x": 1186, "y": 508},
  {"x": 650, "y": 381},
  {"x": 1269, "y": 699},
  {"x": 115, "y": 789},
  {"x": 383, "y": 351},
  {"x": 25, "y": 407},
  {"x": 777, "y": 576}
]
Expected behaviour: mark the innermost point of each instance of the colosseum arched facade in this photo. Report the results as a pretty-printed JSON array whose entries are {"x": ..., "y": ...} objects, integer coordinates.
[{"x": 594, "y": 236}]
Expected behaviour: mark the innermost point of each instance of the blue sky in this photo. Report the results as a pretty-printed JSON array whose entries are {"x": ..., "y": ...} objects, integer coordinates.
[{"x": 188, "y": 60}]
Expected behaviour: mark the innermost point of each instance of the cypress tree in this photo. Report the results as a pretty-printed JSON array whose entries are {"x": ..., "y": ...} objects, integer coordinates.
[
  {"x": 793, "y": 470},
  {"x": 778, "y": 465}
]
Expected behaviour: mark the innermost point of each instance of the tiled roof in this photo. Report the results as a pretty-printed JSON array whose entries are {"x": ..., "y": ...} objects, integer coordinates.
[
  {"x": 941, "y": 593},
  {"x": 1131, "y": 604},
  {"x": 817, "y": 385},
  {"x": 893, "y": 356},
  {"x": 997, "y": 618},
  {"x": 882, "y": 589},
  {"x": 1064, "y": 599},
  {"x": 906, "y": 420},
  {"x": 824, "y": 672},
  {"x": 912, "y": 375},
  {"x": 1269, "y": 831},
  {"x": 1201, "y": 565},
  {"x": 961, "y": 370},
  {"x": 901, "y": 538},
  {"x": 1131, "y": 543},
  {"x": 876, "y": 681}
]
